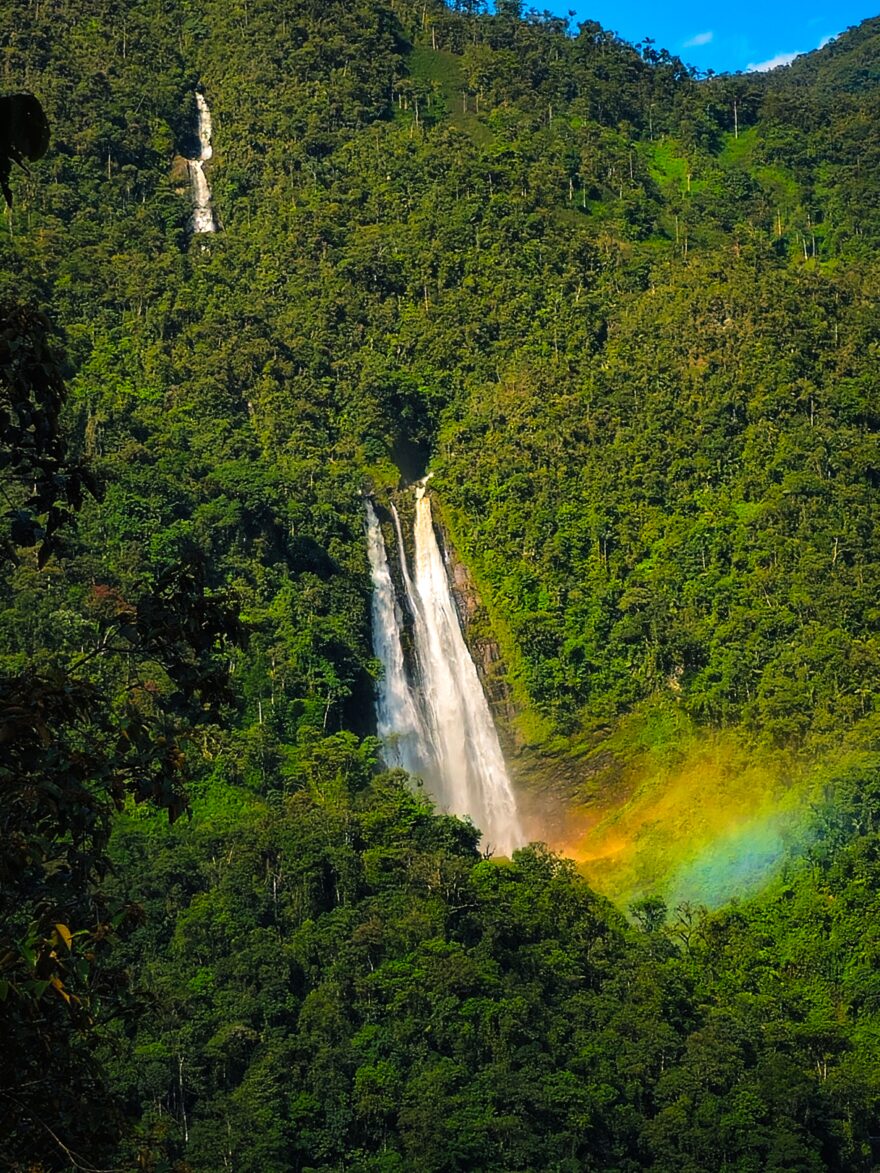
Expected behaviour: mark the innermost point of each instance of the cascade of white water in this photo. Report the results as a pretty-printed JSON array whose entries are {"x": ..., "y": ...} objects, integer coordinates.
[
  {"x": 473, "y": 777},
  {"x": 405, "y": 739},
  {"x": 203, "y": 215},
  {"x": 442, "y": 730}
]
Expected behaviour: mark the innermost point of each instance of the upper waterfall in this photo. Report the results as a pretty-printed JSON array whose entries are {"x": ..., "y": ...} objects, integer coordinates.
[
  {"x": 203, "y": 215},
  {"x": 460, "y": 756}
]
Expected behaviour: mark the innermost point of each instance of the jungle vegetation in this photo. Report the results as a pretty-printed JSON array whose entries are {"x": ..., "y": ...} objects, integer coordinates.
[{"x": 628, "y": 314}]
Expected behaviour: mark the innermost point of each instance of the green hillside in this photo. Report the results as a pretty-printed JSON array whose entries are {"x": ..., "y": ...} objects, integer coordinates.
[{"x": 628, "y": 318}]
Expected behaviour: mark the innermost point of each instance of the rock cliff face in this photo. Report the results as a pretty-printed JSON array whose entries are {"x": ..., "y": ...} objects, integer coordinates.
[{"x": 484, "y": 649}]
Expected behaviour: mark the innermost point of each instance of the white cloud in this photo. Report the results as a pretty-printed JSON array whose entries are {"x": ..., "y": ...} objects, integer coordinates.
[
  {"x": 773, "y": 63},
  {"x": 786, "y": 58},
  {"x": 699, "y": 39}
]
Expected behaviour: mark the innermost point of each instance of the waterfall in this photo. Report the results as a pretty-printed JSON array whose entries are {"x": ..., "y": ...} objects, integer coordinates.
[
  {"x": 470, "y": 760},
  {"x": 404, "y": 738},
  {"x": 462, "y": 763},
  {"x": 203, "y": 215}
]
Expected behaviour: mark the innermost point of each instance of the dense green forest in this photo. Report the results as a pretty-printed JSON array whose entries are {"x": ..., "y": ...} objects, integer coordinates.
[{"x": 627, "y": 315}]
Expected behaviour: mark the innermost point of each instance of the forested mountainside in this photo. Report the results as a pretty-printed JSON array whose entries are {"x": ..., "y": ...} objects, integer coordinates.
[{"x": 628, "y": 318}]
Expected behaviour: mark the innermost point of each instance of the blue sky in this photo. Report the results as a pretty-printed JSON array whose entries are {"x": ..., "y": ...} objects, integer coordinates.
[{"x": 732, "y": 37}]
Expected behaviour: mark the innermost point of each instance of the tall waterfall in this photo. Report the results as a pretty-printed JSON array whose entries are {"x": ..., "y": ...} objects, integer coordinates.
[
  {"x": 461, "y": 760},
  {"x": 405, "y": 739},
  {"x": 203, "y": 215}
]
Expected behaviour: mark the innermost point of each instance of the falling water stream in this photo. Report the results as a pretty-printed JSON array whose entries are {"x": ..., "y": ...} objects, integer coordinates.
[
  {"x": 439, "y": 726},
  {"x": 203, "y": 215},
  {"x": 404, "y": 736}
]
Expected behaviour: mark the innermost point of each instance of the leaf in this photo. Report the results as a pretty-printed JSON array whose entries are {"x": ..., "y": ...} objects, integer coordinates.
[
  {"x": 57, "y": 984},
  {"x": 65, "y": 934},
  {"x": 24, "y": 529},
  {"x": 27, "y": 952}
]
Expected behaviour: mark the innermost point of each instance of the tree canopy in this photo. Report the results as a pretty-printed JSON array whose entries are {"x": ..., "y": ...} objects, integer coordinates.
[{"x": 628, "y": 314}]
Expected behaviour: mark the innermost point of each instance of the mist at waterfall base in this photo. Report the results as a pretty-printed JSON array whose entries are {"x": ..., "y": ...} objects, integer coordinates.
[
  {"x": 433, "y": 717},
  {"x": 739, "y": 862},
  {"x": 703, "y": 819}
]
